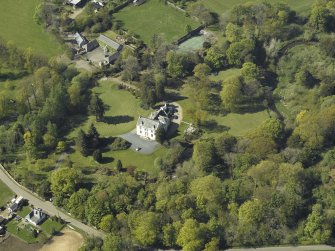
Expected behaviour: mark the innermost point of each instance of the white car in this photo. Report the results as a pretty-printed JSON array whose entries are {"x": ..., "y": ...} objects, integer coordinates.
[{"x": 138, "y": 149}]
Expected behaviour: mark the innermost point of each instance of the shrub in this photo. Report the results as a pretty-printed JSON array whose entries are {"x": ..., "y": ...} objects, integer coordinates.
[{"x": 120, "y": 144}]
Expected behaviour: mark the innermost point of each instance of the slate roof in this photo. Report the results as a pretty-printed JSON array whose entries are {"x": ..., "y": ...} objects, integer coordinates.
[
  {"x": 75, "y": 2},
  {"x": 110, "y": 42},
  {"x": 90, "y": 46},
  {"x": 97, "y": 5},
  {"x": 81, "y": 40},
  {"x": 36, "y": 216},
  {"x": 148, "y": 123},
  {"x": 110, "y": 59}
]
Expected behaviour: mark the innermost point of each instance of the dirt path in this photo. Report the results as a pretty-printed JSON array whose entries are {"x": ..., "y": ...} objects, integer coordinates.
[{"x": 67, "y": 240}]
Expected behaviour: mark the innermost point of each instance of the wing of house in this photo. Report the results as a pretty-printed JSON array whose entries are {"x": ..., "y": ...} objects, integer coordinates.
[
  {"x": 109, "y": 42},
  {"x": 90, "y": 46}
]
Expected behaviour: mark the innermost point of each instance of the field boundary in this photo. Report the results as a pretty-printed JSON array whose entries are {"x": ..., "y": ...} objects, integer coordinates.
[
  {"x": 121, "y": 6},
  {"x": 190, "y": 34}
]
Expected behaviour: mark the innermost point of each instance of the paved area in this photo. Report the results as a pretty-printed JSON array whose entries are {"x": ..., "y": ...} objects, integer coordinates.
[
  {"x": 296, "y": 248},
  {"x": 96, "y": 56},
  {"x": 45, "y": 205},
  {"x": 147, "y": 146}
]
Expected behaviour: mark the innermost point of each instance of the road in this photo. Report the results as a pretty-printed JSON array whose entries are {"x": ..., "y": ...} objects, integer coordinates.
[
  {"x": 297, "y": 248},
  {"x": 45, "y": 205}
]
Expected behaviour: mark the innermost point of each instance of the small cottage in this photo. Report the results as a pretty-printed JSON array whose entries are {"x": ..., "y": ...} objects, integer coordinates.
[{"x": 36, "y": 216}]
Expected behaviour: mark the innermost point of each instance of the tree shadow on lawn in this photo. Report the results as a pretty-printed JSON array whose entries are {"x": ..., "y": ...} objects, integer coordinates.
[
  {"x": 106, "y": 160},
  {"x": 114, "y": 120},
  {"x": 213, "y": 126},
  {"x": 174, "y": 97},
  {"x": 173, "y": 131}
]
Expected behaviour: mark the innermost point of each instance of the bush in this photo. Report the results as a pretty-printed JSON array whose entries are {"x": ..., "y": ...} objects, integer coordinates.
[{"x": 120, "y": 144}]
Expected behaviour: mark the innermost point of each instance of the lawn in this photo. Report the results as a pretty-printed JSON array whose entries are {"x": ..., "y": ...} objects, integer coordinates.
[
  {"x": 24, "y": 211},
  {"x": 51, "y": 227},
  {"x": 17, "y": 25},
  {"x": 129, "y": 158},
  {"x": 154, "y": 17},
  {"x": 24, "y": 232},
  {"x": 223, "y": 75},
  {"x": 222, "y": 6},
  {"x": 122, "y": 112},
  {"x": 240, "y": 124},
  {"x": 5, "y": 194}
]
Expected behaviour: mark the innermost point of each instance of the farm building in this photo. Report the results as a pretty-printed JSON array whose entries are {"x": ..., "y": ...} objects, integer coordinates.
[
  {"x": 97, "y": 6},
  {"x": 2, "y": 220},
  {"x": 147, "y": 127},
  {"x": 36, "y": 216},
  {"x": 80, "y": 39},
  {"x": 90, "y": 46},
  {"x": 109, "y": 42},
  {"x": 138, "y": 2},
  {"x": 15, "y": 204},
  {"x": 76, "y": 3}
]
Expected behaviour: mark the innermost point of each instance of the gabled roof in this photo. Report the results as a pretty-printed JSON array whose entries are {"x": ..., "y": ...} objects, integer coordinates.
[
  {"x": 75, "y": 2},
  {"x": 36, "y": 216},
  {"x": 97, "y": 5},
  {"x": 110, "y": 42},
  {"x": 91, "y": 45},
  {"x": 148, "y": 123},
  {"x": 81, "y": 40},
  {"x": 110, "y": 59}
]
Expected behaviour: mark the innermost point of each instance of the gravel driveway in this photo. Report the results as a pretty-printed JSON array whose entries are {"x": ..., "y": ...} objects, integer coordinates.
[{"x": 147, "y": 146}]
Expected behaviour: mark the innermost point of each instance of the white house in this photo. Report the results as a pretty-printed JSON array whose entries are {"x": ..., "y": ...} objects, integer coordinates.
[
  {"x": 147, "y": 127},
  {"x": 36, "y": 216}
]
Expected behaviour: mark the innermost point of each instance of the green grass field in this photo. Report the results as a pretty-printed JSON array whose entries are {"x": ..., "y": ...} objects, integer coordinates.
[
  {"x": 17, "y": 25},
  {"x": 129, "y": 158},
  {"x": 223, "y": 75},
  {"x": 24, "y": 232},
  {"x": 5, "y": 194},
  {"x": 50, "y": 227},
  {"x": 154, "y": 17},
  {"x": 122, "y": 112},
  {"x": 222, "y": 6},
  {"x": 241, "y": 124}
]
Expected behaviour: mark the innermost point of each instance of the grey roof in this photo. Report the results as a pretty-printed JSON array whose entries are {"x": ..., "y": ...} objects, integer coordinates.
[
  {"x": 90, "y": 46},
  {"x": 148, "y": 123},
  {"x": 81, "y": 40},
  {"x": 36, "y": 216},
  {"x": 110, "y": 42},
  {"x": 97, "y": 5},
  {"x": 2, "y": 220},
  {"x": 14, "y": 207},
  {"x": 75, "y": 2},
  {"x": 111, "y": 58}
]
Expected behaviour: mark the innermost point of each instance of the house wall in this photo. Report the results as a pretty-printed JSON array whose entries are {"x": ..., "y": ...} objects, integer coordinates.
[{"x": 145, "y": 132}]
